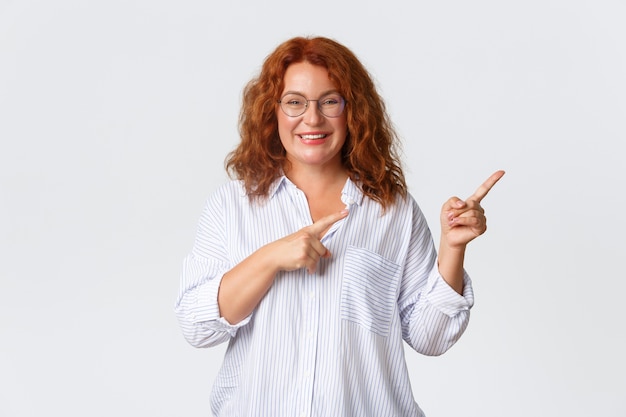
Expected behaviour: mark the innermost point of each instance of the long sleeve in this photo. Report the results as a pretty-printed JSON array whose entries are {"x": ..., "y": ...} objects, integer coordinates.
[
  {"x": 196, "y": 306},
  {"x": 433, "y": 315}
]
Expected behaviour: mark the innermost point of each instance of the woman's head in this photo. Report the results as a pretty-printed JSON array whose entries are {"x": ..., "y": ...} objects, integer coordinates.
[
  {"x": 369, "y": 152},
  {"x": 311, "y": 122}
]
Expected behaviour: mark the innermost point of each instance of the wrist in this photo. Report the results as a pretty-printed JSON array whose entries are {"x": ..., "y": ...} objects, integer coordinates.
[{"x": 445, "y": 244}]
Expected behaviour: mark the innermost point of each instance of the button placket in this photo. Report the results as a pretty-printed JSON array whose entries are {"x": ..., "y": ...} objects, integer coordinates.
[{"x": 308, "y": 351}]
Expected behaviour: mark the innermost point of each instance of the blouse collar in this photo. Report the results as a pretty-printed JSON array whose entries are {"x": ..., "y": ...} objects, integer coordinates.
[{"x": 350, "y": 194}]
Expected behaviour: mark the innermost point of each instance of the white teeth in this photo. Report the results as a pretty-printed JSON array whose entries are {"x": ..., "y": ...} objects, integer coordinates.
[{"x": 312, "y": 136}]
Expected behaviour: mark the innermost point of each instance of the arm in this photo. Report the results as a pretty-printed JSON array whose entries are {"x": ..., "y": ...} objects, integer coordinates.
[
  {"x": 196, "y": 305},
  {"x": 243, "y": 287},
  {"x": 461, "y": 222},
  {"x": 433, "y": 315},
  {"x": 437, "y": 294}
]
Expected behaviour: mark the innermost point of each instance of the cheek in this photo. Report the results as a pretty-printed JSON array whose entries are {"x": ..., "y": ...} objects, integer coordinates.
[
  {"x": 342, "y": 127},
  {"x": 285, "y": 124},
  {"x": 285, "y": 133}
]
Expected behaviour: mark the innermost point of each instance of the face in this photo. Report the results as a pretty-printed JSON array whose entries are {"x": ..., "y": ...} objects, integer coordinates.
[{"x": 311, "y": 139}]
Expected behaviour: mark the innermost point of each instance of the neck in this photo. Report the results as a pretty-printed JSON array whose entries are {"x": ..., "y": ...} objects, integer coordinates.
[{"x": 318, "y": 180}]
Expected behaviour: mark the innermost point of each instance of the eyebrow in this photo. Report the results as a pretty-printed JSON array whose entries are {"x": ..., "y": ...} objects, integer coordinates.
[{"x": 325, "y": 93}]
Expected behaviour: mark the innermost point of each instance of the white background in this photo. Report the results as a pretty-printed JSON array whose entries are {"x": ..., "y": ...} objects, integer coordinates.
[{"x": 116, "y": 116}]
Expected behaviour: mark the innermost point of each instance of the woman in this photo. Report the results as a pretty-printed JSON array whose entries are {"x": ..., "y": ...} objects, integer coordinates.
[{"x": 316, "y": 263}]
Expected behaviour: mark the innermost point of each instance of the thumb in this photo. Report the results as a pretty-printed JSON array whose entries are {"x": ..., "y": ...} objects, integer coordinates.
[{"x": 319, "y": 227}]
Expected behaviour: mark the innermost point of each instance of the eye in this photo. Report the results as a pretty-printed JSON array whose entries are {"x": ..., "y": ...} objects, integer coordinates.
[
  {"x": 330, "y": 101},
  {"x": 294, "y": 100}
]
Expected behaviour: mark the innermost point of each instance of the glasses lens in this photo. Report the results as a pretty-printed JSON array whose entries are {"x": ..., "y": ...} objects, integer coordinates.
[
  {"x": 331, "y": 105},
  {"x": 293, "y": 104}
]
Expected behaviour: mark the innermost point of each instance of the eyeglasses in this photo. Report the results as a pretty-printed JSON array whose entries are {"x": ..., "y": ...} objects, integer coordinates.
[{"x": 294, "y": 105}]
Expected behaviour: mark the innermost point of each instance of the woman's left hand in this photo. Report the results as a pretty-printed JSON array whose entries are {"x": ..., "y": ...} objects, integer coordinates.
[{"x": 464, "y": 220}]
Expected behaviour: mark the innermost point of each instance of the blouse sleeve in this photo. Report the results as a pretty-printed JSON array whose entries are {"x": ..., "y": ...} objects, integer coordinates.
[
  {"x": 196, "y": 307},
  {"x": 433, "y": 315}
]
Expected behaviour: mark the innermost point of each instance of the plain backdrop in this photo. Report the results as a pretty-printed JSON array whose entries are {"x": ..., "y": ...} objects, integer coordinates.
[{"x": 116, "y": 116}]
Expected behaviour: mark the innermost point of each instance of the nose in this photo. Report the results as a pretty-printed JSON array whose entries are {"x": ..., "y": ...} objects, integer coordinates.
[{"x": 313, "y": 116}]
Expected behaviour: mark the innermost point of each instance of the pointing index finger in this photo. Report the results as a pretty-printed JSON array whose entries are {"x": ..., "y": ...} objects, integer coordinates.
[
  {"x": 486, "y": 186},
  {"x": 319, "y": 227}
]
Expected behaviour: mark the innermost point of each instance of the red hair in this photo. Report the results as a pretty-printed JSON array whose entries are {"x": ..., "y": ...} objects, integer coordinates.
[{"x": 370, "y": 152}]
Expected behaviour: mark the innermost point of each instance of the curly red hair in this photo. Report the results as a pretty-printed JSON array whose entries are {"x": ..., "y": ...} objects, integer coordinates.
[{"x": 370, "y": 152}]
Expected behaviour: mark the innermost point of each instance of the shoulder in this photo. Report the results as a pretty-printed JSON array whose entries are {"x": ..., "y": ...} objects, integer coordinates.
[
  {"x": 225, "y": 194},
  {"x": 234, "y": 192},
  {"x": 407, "y": 208},
  {"x": 230, "y": 188},
  {"x": 405, "y": 204}
]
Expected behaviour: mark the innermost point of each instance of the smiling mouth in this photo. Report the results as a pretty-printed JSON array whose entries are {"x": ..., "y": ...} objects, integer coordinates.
[{"x": 313, "y": 137}]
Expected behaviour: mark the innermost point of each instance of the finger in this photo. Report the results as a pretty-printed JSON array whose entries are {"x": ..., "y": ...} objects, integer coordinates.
[
  {"x": 453, "y": 207},
  {"x": 312, "y": 265},
  {"x": 315, "y": 256},
  {"x": 318, "y": 251},
  {"x": 454, "y": 203},
  {"x": 319, "y": 227},
  {"x": 476, "y": 224},
  {"x": 486, "y": 186}
]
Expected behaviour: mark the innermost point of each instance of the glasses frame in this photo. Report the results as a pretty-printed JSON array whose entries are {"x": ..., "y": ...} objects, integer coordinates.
[{"x": 319, "y": 106}]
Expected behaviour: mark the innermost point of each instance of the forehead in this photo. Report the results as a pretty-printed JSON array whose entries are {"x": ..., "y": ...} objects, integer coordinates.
[{"x": 303, "y": 77}]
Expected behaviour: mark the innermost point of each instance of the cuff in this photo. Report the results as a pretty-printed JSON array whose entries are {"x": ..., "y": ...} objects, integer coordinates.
[
  {"x": 206, "y": 310},
  {"x": 445, "y": 298}
]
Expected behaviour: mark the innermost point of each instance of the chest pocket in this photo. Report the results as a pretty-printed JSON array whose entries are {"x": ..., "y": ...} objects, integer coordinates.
[{"x": 369, "y": 288}]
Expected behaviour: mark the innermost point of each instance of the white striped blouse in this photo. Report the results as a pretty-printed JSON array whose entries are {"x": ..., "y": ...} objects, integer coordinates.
[{"x": 327, "y": 343}]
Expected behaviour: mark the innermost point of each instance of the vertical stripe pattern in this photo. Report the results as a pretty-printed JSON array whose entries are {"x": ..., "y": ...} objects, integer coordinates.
[{"x": 331, "y": 342}]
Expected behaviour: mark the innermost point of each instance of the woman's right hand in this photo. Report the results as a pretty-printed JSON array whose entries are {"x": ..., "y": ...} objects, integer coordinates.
[
  {"x": 243, "y": 287},
  {"x": 303, "y": 249}
]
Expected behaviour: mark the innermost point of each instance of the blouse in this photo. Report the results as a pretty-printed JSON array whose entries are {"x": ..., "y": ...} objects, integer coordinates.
[{"x": 328, "y": 343}]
